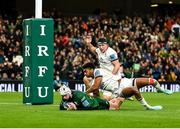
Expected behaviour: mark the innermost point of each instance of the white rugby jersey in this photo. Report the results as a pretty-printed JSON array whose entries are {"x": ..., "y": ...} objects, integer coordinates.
[
  {"x": 106, "y": 58},
  {"x": 109, "y": 82}
]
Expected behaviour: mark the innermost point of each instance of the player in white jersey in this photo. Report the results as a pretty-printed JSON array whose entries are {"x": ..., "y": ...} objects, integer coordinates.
[
  {"x": 124, "y": 87},
  {"x": 108, "y": 59}
]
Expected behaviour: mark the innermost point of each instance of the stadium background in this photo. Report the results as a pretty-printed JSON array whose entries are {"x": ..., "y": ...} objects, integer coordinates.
[{"x": 141, "y": 35}]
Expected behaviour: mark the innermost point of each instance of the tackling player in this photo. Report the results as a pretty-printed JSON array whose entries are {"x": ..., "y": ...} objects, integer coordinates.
[
  {"x": 106, "y": 81},
  {"x": 77, "y": 100}
]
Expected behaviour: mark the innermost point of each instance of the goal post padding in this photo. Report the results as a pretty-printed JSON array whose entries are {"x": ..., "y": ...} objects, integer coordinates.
[{"x": 38, "y": 55}]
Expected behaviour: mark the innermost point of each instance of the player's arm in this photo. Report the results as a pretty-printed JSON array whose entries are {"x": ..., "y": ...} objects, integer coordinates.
[
  {"x": 95, "y": 86},
  {"x": 62, "y": 106},
  {"x": 86, "y": 82},
  {"x": 96, "y": 93},
  {"x": 88, "y": 41},
  {"x": 67, "y": 106},
  {"x": 71, "y": 106},
  {"x": 113, "y": 57},
  {"x": 116, "y": 66}
]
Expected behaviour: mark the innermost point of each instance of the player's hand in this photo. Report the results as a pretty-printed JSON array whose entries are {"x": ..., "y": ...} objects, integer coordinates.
[
  {"x": 71, "y": 106},
  {"x": 88, "y": 39}
]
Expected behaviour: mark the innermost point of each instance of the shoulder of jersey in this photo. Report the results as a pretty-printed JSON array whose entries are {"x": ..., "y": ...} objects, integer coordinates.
[
  {"x": 110, "y": 50},
  {"x": 98, "y": 70}
]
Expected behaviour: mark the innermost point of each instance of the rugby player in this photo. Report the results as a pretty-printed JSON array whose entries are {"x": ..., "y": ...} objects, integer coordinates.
[
  {"x": 124, "y": 87},
  {"x": 108, "y": 59},
  {"x": 77, "y": 100}
]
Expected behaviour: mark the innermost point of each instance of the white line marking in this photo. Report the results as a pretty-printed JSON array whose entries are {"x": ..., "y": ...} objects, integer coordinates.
[
  {"x": 9, "y": 103},
  {"x": 25, "y": 104}
]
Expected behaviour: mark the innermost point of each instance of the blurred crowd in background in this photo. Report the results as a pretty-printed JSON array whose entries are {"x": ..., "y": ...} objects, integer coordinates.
[{"x": 147, "y": 46}]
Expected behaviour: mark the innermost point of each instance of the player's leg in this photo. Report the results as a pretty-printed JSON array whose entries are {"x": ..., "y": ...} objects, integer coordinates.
[
  {"x": 141, "y": 82},
  {"x": 127, "y": 82},
  {"x": 130, "y": 98},
  {"x": 129, "y": 91}
]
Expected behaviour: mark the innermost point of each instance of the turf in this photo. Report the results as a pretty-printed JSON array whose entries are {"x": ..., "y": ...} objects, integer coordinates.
[{"x": 15, "y": 114}]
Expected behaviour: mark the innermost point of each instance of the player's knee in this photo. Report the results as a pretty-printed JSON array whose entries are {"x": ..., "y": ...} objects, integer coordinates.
[
  {"x": 135, "y": 91},
  {"x": 152, "y": 81},
  {"x": 137, "y": 95}
]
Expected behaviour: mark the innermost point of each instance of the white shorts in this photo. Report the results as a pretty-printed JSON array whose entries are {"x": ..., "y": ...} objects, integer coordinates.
[
  {"x": 125, "y": 82},
  {"x": 106, "y": 93}
]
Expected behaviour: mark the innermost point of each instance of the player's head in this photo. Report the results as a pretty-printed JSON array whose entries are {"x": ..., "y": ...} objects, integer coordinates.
[
  {"x": 102, "y": 44},
  {"x": 65, "y": 92},
  {"x": 88, "y": 69}
]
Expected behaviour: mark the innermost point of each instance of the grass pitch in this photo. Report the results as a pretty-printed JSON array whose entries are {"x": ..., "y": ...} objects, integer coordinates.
[{"x": 132, "y": 115}]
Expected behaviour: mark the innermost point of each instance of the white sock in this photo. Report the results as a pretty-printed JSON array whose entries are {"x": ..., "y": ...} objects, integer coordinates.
[
  {"x": 157, "y": 86},
  {"x": 144, "y": 103}
]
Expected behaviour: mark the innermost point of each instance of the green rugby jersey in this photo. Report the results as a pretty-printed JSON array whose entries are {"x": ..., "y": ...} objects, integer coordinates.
[{"x": 85, "y": 102}]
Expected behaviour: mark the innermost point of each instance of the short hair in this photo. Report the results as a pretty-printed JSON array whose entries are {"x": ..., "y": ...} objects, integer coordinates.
[
  {"x": 102, "y": 41},
  {"x": 88, "y": 65}
]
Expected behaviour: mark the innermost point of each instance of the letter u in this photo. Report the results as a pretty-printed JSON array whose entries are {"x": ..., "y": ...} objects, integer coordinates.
[
  {"x": 40, "y": 92},
  {"x": 27, "y": 91}
]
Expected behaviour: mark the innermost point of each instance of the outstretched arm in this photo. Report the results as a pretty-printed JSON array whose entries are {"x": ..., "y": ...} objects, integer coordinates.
[{"x": 88, "y": 41}]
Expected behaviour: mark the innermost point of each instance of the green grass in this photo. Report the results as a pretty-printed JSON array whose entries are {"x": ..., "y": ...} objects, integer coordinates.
[{"x": 15, "y": 114}]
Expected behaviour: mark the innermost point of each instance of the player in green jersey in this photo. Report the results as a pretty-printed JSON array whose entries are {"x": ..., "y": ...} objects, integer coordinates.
[{"x": 77, "y": 100}]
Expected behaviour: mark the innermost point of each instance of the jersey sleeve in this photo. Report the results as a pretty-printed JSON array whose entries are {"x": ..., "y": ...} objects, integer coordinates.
[
  {"x": 63, "y": 105},
  {"x": 97, "y": 73},
  {"x": 113, "y": 55},
  {"x": 84, "y": 102}
]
